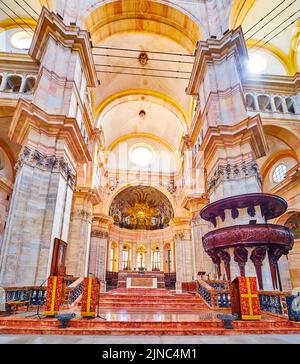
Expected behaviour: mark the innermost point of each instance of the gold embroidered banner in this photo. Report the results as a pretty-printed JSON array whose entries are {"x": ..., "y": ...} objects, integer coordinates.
[
  {"x": 55, "y": 295},
  {"x": 245, "y": 298},
  {"x": 90, "y": 297}
]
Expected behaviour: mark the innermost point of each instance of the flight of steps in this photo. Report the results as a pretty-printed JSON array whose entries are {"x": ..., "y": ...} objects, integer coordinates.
[
  {"x": 148, "y": 312},
  {"x": 147, "y": 300},
  {"x": 49, "y": 326}
]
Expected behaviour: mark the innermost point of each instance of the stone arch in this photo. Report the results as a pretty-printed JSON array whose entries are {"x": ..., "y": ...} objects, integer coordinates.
[
  {"x": 155, "y": 17},
  {"x": 278, "y": 102},
  {"x": 264, "y": 103},
  {"x": 274, "y": 158},
  {"x": 135, "y": 94},
  {"x": 123, "y": 187},
  {"x": 289, "y": 136},
  {"x": 250, "y": 102},
  {"x": 13, "y": 83},
  {"x": 290, "y": 104}
]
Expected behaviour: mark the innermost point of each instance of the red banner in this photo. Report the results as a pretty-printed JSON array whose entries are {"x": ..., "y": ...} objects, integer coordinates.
[
  {"x": 90, "y": 297},
  {"x": 249, "y": 299},
  {"x": 55, "y": 296}
]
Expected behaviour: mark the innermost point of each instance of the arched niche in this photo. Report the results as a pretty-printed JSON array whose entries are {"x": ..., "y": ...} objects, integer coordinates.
[{"x": 141, "y": 208}]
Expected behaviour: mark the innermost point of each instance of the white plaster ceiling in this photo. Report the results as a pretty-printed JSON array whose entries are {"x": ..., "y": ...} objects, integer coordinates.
[
  {"x": 17, "y": 9},
  {"x": 114, "y": 83},
  {"x": 124, "y": 119},
  {"x": 262, "y": 8}
]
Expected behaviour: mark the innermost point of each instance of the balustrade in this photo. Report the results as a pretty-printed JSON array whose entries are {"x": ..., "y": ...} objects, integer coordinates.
[
  {"x": 215, "y": 293},
  {"x": 273, "y": 303},
  {"x": 35, "y": 295},
  {"x": 266, "y": 103},
  {"x": 74, "y": 291},
  {"x": 17, "y": 83}
]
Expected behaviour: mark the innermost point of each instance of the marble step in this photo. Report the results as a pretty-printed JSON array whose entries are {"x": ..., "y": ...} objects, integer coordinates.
[
  {"x": 162, "y": 329},
  {"x": 80, "y": 323},
  {"x": 152, "y": 305},
  {"x": 143, "y": 300}
]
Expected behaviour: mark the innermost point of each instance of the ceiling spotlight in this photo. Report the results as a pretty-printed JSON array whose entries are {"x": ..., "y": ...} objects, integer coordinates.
[{"x": 257, "y": 63}]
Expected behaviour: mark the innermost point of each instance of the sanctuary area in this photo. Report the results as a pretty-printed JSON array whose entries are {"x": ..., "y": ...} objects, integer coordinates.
[{"x": 149, "y": 167}]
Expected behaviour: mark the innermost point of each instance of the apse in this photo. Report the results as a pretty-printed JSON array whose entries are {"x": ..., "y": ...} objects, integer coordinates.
[{"x": 141, "y": 208}]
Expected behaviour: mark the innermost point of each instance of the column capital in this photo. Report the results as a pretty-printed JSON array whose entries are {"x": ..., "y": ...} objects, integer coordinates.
[
  {"x": 101, "y": 222},
  {"x": 181, "y": 227},
  {"x": 46, "y": 162},
  {"x": 91, "y": 194},
  {"x": 195, "y": 202},
  {"x": 69, "y": 36}
]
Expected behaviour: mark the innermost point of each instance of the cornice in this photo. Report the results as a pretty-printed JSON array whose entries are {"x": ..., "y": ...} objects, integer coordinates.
[
  {"x": 103, "y": 220},
  {"x": 195, "y": 201},
  {"x": 50, "y": 25},
  {"x": 215, "y": 50},
  {"x": 276, "y": 84},
  {"x": 91, "y": 194},
  {"x": 28, "y": 115},
  {"x": 17, "y": 62},
  {"x": 249, "y": 130}
]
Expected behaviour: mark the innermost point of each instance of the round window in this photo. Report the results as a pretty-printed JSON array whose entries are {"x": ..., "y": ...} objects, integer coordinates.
[
  {"x": 21, "y": 40},
  {"x": 279, "y": 173},
  {"x": 257, "y": 63},
  {"x": 141, "y": 156}
]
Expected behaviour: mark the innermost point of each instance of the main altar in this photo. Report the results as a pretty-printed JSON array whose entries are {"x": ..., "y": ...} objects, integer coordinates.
[{"x": 141, "y": 279}]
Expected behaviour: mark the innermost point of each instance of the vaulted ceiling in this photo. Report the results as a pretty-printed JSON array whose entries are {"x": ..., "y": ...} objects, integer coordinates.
[{"x": 167, "y": 32}]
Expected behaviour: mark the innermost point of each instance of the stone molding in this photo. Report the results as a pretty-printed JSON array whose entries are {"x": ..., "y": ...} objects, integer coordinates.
[
  {"x": 230, "y": 172},
  {"x": 82, "y": 214},
  {"x": 99, "y": 234},
  {"x": 91, "y": 194},
  {"x": 49, "y": 163},
  {"x": 69, "y": 36},
  {"x": 184, "y": 235}
]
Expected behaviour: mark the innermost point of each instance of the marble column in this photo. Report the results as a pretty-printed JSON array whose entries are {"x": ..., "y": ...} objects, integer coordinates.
[
  {"x": 199, "y": 228},
  {"x": 185, "y": 267},
  {"x": 99, "y": 244},
  {"x": 49, "y": 130},
  {"x": 148, "y": 258},
  {"x": 134, "y": 257},
  {"x": 80, "y": 231},
  {"x": 39, "y": 212}
]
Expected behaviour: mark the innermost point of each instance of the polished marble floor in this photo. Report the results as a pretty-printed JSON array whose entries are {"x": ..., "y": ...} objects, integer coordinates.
[{"x": 236, "y": 339}]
